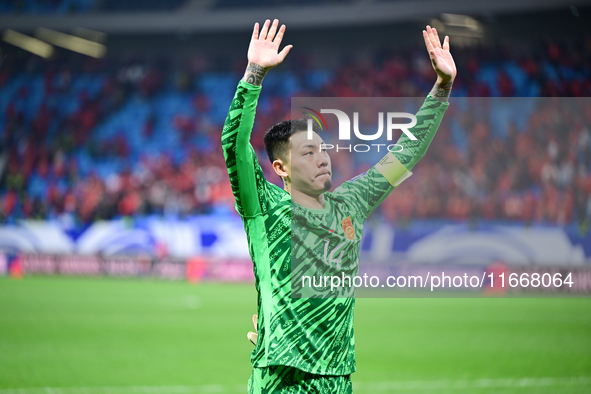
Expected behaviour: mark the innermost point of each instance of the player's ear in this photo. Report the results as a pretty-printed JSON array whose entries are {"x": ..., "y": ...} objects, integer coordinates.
[{"x": 281, "y": 168}]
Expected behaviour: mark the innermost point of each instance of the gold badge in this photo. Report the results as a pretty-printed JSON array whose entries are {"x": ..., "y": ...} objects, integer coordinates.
[{"x": 348, "y": 227}]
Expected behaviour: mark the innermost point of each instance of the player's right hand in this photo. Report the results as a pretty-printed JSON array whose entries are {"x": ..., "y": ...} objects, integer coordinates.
[
  {"x": 253, "y": 336},
  {"x": 264, "y": 46}
]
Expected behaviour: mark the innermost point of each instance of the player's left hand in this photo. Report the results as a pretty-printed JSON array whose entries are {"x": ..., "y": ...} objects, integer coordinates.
[
  {"x": 264, "y": 45},
  {"x": 441, "y": 59},
  {"x": 253, "y": 336}
]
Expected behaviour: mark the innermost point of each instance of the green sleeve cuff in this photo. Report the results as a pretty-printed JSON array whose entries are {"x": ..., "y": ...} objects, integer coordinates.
[
  {"x": 431, "y": 98},
  {"x": 249, "y": 86}
]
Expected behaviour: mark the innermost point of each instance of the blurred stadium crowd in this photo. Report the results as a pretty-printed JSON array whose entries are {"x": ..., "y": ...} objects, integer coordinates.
[{"x": 85, "y": 139}]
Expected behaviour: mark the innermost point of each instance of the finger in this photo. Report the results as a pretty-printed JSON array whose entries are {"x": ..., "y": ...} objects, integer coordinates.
[
  {"x": 254, "y": 323},
  {"x": 284, "y": 52},
  {"x": 264, "y": 30},
  {"x": 273, "y": 30},
  {"x": 446, "y": 43},
  {"x": 255, "y": 32},
  {"x": 428, "y": 43},
  {"x": 252, "y": 337},
  {"x": 279, "y": 35},
  {"x": 438, "y": 41},
  {"x": 432, "y": 38}
]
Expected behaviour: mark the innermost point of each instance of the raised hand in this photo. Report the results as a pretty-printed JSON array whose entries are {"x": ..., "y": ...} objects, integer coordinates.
[
  {"x": 263, "y": 51},
  {"x": 441, "y": 59}
]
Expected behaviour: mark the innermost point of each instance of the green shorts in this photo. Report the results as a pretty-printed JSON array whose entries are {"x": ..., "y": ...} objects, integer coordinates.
[{"x": 284, "y": 379}]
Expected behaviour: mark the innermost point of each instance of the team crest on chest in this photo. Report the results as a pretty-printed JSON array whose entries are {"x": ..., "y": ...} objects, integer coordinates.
[{"x": 348, "y": 227}]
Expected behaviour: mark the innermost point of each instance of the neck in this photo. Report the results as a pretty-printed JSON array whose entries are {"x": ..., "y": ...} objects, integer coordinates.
[{"x": 307, "y": 200}]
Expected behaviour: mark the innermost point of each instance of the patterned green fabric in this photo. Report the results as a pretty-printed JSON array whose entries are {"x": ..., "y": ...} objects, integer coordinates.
[
  {"x": 326, "y": 242},
  {"x": 314, "y": 335},
  {"x": 428, "y": 120},
  {"x": 288, "y": 380}
]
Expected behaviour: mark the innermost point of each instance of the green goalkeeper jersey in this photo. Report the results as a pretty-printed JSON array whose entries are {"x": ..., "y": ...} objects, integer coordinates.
[{"x": 311, "y": 334}]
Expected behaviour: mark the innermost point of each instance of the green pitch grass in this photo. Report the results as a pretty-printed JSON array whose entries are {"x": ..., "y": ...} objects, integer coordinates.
[{"x": 106, "y": 335}]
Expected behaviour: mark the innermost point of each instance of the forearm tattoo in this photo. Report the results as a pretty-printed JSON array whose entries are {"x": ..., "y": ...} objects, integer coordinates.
[
  {"x": 255, "y": 74},
  {"x": 441, "y": 92}
]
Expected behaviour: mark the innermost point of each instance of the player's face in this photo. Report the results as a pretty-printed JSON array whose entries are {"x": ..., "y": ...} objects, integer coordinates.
[{"x": 309, "y": 165}]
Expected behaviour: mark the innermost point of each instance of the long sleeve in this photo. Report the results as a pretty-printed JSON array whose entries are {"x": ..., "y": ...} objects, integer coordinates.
[
  {"x": 370, "y": 188},
  {"x": 249, "y": 185},
  {"x": 428, "y": 120}
]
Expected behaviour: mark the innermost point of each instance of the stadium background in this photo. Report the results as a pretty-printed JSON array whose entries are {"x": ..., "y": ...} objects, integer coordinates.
[{"x": 114, "y": 192}]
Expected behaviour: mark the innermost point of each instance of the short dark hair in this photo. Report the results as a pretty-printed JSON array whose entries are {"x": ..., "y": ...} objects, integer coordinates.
[{"x": 277, "y": 137}]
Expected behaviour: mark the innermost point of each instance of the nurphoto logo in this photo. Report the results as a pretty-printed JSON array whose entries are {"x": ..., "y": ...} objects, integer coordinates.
[{"x": 345, "y": 129}]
